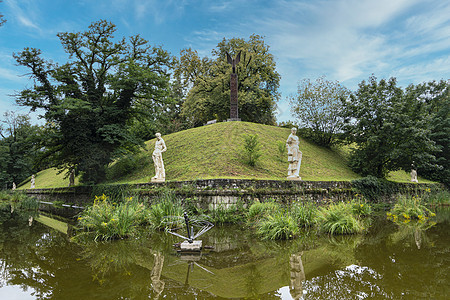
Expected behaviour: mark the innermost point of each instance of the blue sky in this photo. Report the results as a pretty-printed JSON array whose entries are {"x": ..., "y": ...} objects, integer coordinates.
[{"x": 344, "y": 40}]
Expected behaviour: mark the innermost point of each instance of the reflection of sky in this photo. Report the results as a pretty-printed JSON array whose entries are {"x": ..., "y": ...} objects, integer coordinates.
[{"x": 15, "y": 292}]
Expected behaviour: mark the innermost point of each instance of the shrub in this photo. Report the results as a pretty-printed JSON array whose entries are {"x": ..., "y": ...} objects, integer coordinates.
[
  {"x": 360, "y": 208},
  {"x": 304, "y": 214},
  {"x": 252, "y": 149},
  {"x": 338, "y": 219},
  {"x": 373, "y": 188},
  {"x": 438, "y": 197},
  {"x": 259, "y": 211},
  {"x": 108, "y": 220},
  {"x": 282, "y": 152},
  {"x": 279, "y": 226}
]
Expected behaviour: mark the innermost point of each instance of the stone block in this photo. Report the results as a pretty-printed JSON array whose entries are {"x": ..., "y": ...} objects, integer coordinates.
[{"x": 194, "y": 246}]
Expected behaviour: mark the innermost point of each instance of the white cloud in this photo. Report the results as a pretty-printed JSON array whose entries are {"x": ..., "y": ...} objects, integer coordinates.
[{"x": 25, "y": 12}]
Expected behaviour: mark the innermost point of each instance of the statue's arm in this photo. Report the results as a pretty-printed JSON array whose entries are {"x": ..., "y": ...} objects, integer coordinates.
[{"x": 164, "y": 148}]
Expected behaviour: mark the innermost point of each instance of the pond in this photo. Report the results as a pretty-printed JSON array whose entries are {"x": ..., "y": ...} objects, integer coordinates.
[{"x": 410, "y": 261}]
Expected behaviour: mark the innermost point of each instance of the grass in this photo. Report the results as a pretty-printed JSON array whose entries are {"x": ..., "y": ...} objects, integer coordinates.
[
  {"x": 232, "y": 214},
  {"x": 338, "y": 218},
  {"x": 278, "y": 226},
  {"x": 48, "y": 178},
  {"x": 409, "y": 207},
  {"x": 166, "y": 205}
]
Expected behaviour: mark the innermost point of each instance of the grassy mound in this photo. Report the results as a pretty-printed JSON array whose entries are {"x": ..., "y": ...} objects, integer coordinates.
[{"x": 216, "y": 151}]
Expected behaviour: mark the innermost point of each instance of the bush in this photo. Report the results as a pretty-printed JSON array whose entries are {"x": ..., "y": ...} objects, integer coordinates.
[
  {"x": 304, "y": 214},
  {"x": 279, "y": 226},
  {"x": 360, "y": 208},
  {"x": 338, "y": 219},
  {"x": 252, "y": 149},
  {"x": 108, "y": 220},
  {"x": 438, "y": 197},
  {"x": 282, "y": 151}
]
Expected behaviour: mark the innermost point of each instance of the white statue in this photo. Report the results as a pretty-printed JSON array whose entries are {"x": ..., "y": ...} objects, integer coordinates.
[
  {"x": 14, "y": 186},
  {"x": 160, "y": 147},
  {"x": 294, "y": 156},
  {"x": 33, "y": 182},
  {"x": 413, "y": 174}
]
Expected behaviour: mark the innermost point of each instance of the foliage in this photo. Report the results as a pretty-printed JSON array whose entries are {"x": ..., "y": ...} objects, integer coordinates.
[
  {"x": 106, "y": 220},
  {"x": 304, "y": 213},
  {"x": 206, "y": 82},
  {"x": 252, "y": 149},
  {"x": 18, "y": 201},
  {"x": 224, "y": 214},
  {"x": 373, "y": 188},
  {"x": 89, "y": 101},
  {"x": 408, "y": 207},
  {"x": 278, "y": 226},
  {"x": 19, "y": 149},
  {"x": 438, "y": 197},
  {"x": 260, "y": 210},
  {"x": 389, "y": 128},
  {"x": 360, "y": 207},
  {"x": 166, "y": 206},
  {"x": 338, "y": 219},
  {"x": 114, "y": 192},
  {"x": 318, "y": 106}
]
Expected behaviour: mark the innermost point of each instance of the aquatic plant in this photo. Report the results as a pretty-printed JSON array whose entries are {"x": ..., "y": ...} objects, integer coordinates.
[
  {"x": 438, "y": 197},
  {"x": 106, "y": 220},
  {"x": 278, "y": 226},
  {"x": 360, "y": 207},
  {"x": 259, "y": 210},
  {"x": 338, "y": 219},
  {"x": 409, "y": 207},
  {"x": 304, "y": 213},
  {"x": 231, "y": 214},
  {"x": 166, "y": 204}
]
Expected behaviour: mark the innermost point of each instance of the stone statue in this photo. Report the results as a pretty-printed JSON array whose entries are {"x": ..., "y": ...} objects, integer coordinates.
[
  {"x": 72, "y": 178},
  {"x": 160, "y": 147},
  {"x": 33, "y": 182},
  {"x": 14, "y": 186},
  {"x": 413, "y": 174},
  {"x": 294, "y": 156}
]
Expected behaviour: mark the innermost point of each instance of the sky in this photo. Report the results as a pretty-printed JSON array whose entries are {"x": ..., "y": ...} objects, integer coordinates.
[{"x": 343, "y": 40}]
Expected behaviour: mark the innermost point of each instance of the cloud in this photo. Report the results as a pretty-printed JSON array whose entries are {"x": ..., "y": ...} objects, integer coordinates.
[{"x": 25, "y": 12}]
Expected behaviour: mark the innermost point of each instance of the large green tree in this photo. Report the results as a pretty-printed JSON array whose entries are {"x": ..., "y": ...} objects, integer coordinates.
[
  {"x": 206, "y": 82},
  {"x": 318, "y": 107},
  {"x": 90, "y": 100},
  {"x": 19, "y": 148},
  {"x": 389, "y": 128}
]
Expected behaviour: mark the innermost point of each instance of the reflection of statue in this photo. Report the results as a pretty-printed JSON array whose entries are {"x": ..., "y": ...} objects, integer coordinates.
[
  {"x": 160, "y": 147},
  {"x": 297, "y": 276},
  {"x": 72, "y": 178},
  {"x": 418, "y": 237},
  {"x": 33, "y": 183},
  {"x": 157, "y": 283},
  {"x": 14, "y": 186},
  {"x": 294, "y": 155}
]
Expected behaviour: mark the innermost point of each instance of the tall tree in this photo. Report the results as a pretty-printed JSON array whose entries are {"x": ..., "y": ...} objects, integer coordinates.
[
  {"x": 207, "y": 82},
  {"x": 388, "y": 127},
  {"x": 318, "y": 107},
  {"x": 89, "y": 101},
  {"x": 19, "y": 148}
]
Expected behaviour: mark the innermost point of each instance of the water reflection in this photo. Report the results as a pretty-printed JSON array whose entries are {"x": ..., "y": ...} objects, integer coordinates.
[{"x": 390, "y": 262}]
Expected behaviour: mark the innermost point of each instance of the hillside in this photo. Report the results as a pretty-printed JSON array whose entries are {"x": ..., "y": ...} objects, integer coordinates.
[{"x": 214, "y": 151}]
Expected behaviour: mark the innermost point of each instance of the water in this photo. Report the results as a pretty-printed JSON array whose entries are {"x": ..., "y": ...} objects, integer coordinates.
[{"x": 390, "y": 262}]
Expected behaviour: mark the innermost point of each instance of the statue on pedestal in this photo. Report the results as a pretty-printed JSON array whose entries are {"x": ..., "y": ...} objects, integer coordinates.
[
  {"x": 160, "y": 147},
  {"x": 294, "y": 156},
  {"x": 413, "y": 174},
  {"x": 14, "y": 186},
  {"x": 33, "y": 182}
]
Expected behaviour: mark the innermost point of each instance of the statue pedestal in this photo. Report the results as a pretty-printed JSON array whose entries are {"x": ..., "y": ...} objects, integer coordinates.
[
  {"x": 194, "y": 246},
  {"x": 298, "y": 178},
  {"x": 158, "y": 179}
]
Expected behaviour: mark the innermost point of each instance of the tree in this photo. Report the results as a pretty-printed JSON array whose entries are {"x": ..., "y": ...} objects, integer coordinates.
[
  {"x": 19, "y": 148},
  {"x": 388, "y": 127},
  {"x": 318, "y": 106},
  {"x": 206, "y": 82},
  {"x": 2, "y": 21},
  {"x": 90, "y": 100}
]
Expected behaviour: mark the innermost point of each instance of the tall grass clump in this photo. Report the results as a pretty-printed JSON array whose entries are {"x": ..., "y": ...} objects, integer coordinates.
[
  {"x": 439, "y": 197},
  {"x": 408, "y": 207},
  {"x": 166, "y": 212},
  {"x": 360, "y": 207},
  {"x": 304, "y": 214},
  {"x": 278, "y": 226},
  {"x": 338, "y": 219},
  {"x": 259, "y": 210},
  {"x": 231, "y": 214},
  {"x": 106, "y": 220},
  {"x": 252, "y": 149}
]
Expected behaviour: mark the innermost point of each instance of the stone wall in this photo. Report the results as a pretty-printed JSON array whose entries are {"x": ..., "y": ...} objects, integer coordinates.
[{"x": 213, "y": 192}]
